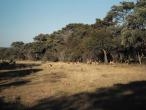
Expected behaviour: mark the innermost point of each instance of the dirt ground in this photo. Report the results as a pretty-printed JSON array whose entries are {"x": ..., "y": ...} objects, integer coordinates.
[{"x": 32, "y": 82}]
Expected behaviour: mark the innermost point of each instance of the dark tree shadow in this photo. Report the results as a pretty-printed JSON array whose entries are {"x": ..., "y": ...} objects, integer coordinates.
[
  {"x": 15, "y": 77},
  {"x": 13, "y": 83},
  {"x": 17, "y": 73},
  {"x": 11, "y": 105},
  {"x": 7, "y": 66},
  {"x": 130, "y": 96}
]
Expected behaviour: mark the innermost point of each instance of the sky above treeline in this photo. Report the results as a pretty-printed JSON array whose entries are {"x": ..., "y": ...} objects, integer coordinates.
[{"x": 22, "y": 20}]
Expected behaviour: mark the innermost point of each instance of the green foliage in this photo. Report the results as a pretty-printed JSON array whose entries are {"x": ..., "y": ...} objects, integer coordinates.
[
  {"x": 124, "y": 24},
  {"x": 41, "y": 37},
  {"x": 17, "y": 44}
]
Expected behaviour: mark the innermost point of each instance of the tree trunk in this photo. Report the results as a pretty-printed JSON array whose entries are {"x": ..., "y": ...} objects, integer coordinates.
[
  {"x": 105, "y": 56},
  {"x": 139, "y": 58}
]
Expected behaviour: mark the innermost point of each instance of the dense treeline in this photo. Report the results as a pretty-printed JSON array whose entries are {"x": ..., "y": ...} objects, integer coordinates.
[{"x": 119, "y": 37}]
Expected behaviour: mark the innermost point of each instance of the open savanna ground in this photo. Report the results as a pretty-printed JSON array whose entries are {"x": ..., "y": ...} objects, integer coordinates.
[{"x": 72, "y": 86}]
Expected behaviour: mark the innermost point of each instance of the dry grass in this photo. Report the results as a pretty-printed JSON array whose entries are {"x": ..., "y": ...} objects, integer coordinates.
[{"x": 57, "y": 79}]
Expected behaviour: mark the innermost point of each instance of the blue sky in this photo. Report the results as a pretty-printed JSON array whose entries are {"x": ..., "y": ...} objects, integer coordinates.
[{"x": 22, "y": 20}]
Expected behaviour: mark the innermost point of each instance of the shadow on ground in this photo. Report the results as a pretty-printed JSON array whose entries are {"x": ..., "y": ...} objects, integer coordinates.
[
  {"x": 17, "y": 73},
  {"x": 130, "y": 96},
  {"x": 11, "y": 105},
  {"x": 7, "y": 66},
  {"x": 13, "y": 84},
  {"x": 14, "y": 78}
]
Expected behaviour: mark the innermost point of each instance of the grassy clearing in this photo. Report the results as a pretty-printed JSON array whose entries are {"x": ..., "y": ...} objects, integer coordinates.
[{"x": 47, "y": 79}]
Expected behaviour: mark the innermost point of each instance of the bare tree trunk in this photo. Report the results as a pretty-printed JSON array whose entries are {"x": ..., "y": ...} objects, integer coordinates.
[
  {"x": 105, "y": 56},
  {"x": 139, "y": 58}
]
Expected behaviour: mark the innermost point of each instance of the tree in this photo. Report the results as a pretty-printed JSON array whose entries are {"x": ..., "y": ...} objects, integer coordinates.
[
  {"x": 17, "y": 44},
  {"x": 17, "y": 50},
  {"x": 41, "y": 37},
  {"x": 118, "y": 13},
  {"x": 99, "y": 40}
]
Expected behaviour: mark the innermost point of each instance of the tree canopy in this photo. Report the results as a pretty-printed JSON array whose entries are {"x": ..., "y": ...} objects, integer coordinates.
[{"x": 123, "y": 26}]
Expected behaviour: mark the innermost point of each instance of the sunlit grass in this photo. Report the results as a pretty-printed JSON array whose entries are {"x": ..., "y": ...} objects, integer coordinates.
[{"x": 58, "y": 78}]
